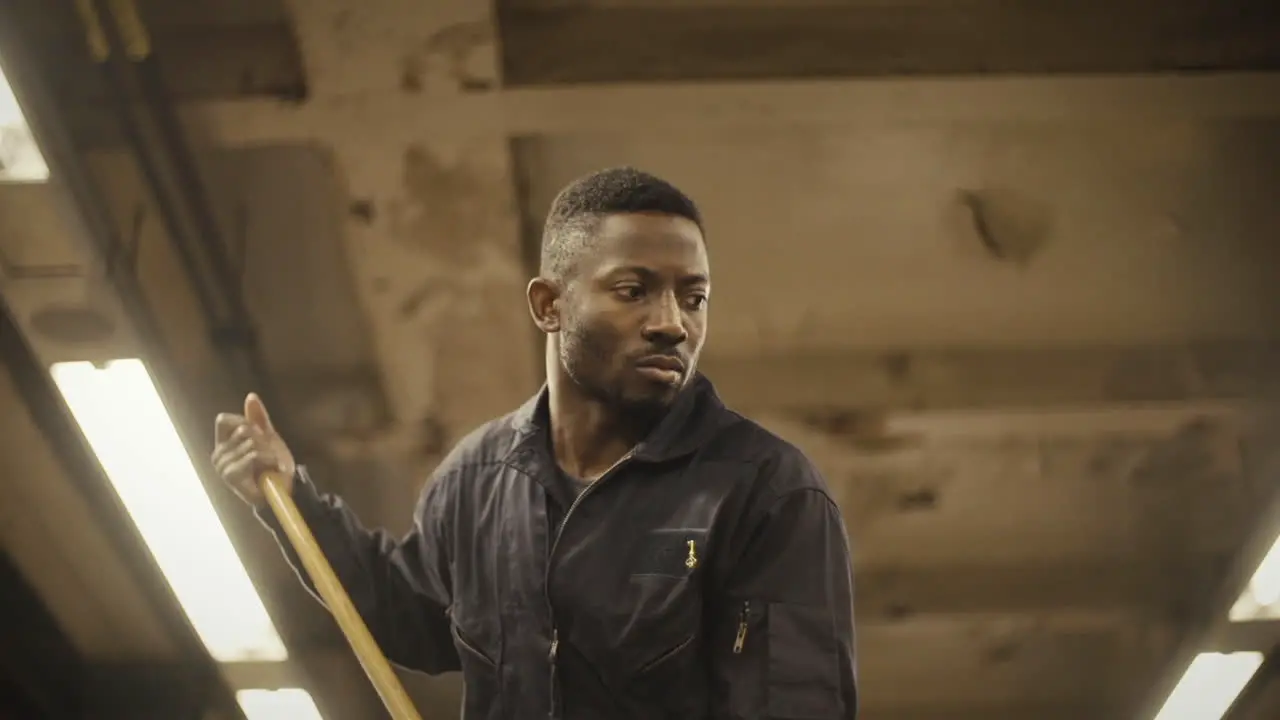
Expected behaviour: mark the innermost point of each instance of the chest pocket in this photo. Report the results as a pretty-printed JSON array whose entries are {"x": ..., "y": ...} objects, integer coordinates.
[
  {"x": 674, "y": 553},
  {"x": 631, "y": 571},
  {"x": 666, "y": 598},
  {"x": 666, "y": 583}
]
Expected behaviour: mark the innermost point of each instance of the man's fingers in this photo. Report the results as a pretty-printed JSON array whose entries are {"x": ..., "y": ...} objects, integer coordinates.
[
  {"x": 225, "y": 425},
  {"x": 244, "y": 436},
  {"x": 244, "y": 432},
  {"x": 244, "y": 448},
  {"x": 247, "y": 448},
  {"x": 240, "y": 473},
  {"x": 256, "y": 413},
  {"x": 231, "y": 458},
  {"x": 220, "y": 457},
  {"x": 228, "y": 453}
]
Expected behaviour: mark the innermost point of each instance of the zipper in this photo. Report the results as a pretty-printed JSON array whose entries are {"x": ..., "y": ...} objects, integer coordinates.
[
  {"x": 553, "y": 651},
  {"x": 740, "y": 639},
  {"x": 554, "y": 712}
]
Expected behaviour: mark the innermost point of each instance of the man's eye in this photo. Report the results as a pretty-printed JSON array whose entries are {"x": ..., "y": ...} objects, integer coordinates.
[
  {"x": 630, "y": 292},
  {"x": 697, "y": 302}
]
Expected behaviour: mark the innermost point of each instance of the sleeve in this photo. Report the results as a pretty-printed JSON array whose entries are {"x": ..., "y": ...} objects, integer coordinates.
[
  {"x": 786, "y": 651},
  {"x": 401, "y": 588}
]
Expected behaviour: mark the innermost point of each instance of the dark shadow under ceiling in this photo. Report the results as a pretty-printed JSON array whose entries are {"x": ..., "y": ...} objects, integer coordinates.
[{"x": 555, "y": 43}]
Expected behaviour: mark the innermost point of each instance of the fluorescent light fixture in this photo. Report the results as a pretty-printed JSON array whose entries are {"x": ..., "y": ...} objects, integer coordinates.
[
  {"x": 282, "y": 704},
  {"x": 1210, "y": 685},
  {"x": 126, "y": 424},
  {"x": 1261, "y": 599},
  {"x": 20, "y": 157}
]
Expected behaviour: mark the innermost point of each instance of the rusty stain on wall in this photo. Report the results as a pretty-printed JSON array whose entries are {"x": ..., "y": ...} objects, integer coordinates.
[
  {"x": 362, "y": 210},
  {"x": 1011, "y": 226},
  {"x": 411, "y": 70},
  {"x": 412, "y": 303},
  {"x": 453, "y": 53},
  {"x": 447, "y": 210}
]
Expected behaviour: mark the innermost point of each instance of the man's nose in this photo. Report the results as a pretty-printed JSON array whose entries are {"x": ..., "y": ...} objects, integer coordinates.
[{"x": 666, "y": 323}]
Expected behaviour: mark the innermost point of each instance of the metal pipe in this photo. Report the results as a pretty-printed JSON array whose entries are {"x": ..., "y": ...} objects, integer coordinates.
[{"x": 189, "y": 218}]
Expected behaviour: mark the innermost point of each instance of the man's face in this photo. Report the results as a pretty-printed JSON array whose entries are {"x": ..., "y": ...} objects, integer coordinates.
[{"x": 634, "y": 315}]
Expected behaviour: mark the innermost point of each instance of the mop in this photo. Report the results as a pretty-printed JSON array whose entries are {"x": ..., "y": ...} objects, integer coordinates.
[{"x": 335, "y": 598}]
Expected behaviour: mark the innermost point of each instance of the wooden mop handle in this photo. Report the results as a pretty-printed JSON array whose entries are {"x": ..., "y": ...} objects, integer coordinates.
[{"x": 339, "y": 603}]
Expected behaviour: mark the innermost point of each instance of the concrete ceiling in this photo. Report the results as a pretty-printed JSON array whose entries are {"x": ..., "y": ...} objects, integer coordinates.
[{"x": 1022, "y": 321}]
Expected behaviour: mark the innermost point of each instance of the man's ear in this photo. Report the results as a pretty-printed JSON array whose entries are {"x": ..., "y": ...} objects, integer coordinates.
[{"x": 544, "y": 304}]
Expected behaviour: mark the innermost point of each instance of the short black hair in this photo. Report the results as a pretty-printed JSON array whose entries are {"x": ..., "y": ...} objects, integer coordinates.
[{"x": 580, "y": 206}]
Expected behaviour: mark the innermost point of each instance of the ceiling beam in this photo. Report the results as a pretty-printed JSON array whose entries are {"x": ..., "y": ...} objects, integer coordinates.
[
  {"x": 1000, "y": 379},
  {"x": 1051, "y": 712},
  {"x": 607, "y": 41},
  {"x": 432, "y": 232},
  {"x": 890, "y": 595},
  {"x": 431, "y": 237},
  {"x": 865, "y": 105},
  {"x": 610, "y": 41},
  {"x": 889, "y": 103},
  {"x": 1213, "y": 630},
  {"x": 875, "y": 440},
  {"x": 200, "y": 61},
  {"x": 1262, "y": 636}
]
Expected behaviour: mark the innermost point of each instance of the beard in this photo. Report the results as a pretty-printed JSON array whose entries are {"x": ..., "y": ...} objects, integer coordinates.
[
  {"x": 586, "y": 356},
  {"x": 589, "y": 357}
]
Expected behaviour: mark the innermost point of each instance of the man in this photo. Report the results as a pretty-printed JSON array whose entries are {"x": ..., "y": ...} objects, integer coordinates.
[{"x": 623, "y": 546}]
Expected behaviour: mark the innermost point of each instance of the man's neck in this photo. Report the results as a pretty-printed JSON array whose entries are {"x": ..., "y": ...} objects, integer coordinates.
[{"x": 588, "y": 436}]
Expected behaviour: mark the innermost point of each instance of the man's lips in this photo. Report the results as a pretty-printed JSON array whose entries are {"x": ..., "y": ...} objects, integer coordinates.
[
  {"x": 662, "y": 362},
  {"x": 665, "y": 369}
]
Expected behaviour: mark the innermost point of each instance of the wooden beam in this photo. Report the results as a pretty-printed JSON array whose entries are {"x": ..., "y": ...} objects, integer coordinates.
[
  {"x": 862, "y": 105},
  {"x": 416, "y": 192},
  {"x": 1041, "y": 712},
  {"x": 611, "y": 41},
  {"x": 890, "y": 595},
  {"x": 1213, "y": 630},
  {"x": 1002, "y": 379}
]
